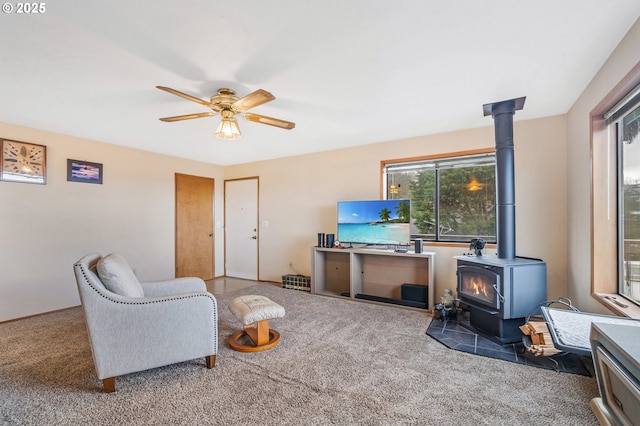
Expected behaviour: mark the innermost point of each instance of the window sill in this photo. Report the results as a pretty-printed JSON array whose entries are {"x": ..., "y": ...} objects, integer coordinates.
[
  {"x": 614, "y": 303},
  {"x": 455, "y": 244}
]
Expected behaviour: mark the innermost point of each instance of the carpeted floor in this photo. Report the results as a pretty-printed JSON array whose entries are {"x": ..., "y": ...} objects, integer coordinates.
[
  {"x": 456, "y": 334},
  {"x": 339, "y": 362}
]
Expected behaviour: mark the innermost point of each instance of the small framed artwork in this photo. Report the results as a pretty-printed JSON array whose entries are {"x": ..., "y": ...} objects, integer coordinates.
[
  {"x": 23, "y": 162},
  {"x": 84, "y": 171}
]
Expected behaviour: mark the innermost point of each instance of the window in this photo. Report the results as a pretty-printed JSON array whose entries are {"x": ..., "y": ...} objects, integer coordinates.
[
  {"x": 452, "y": 197},
  {"x": 625, "y": 118}
]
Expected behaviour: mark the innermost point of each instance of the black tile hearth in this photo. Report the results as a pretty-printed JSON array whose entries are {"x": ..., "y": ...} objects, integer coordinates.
[{"x": 458, "y": 335}]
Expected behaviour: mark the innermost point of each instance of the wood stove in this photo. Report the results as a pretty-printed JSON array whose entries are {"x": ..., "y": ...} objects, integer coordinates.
[{"x": 501, "y": 292}]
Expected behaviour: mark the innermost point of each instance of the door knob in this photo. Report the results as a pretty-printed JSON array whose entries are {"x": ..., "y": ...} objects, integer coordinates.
[{"x": 254, "y": 238}]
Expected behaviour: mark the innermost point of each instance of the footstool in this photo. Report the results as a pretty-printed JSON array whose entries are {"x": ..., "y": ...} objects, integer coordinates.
[{"x": 255, "y": 312}]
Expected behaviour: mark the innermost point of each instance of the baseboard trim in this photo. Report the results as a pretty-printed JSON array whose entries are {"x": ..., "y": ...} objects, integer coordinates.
[{"x": 39, "y": 315}]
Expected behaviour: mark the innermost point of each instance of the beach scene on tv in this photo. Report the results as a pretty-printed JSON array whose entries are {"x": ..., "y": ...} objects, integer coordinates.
[{"x": 374, "y": 222}]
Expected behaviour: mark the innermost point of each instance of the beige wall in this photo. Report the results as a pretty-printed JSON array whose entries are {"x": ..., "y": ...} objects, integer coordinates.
[
  {"x": 45, "y": 228},
  {"x": 298, "y": 196},
  {"x": 620, "y": 62}
]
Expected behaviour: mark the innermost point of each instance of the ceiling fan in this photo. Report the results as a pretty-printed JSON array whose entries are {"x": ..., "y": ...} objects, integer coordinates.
[{"x": 227, "y": 104}]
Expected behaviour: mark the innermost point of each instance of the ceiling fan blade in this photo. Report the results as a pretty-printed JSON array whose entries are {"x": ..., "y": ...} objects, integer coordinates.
[
  {"x": 252, "y": 100},
  {"x": 184, "y": 95},
  {"x": 270, "y": 121},
  {"x": 188, "y": 116}
]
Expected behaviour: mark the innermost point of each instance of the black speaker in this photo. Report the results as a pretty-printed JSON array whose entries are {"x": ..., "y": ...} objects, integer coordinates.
[
  {"x": 418, "y": 248},
  {"x": 330, "y": 240},
  {"x": 414, "y": 292},
  {"x": 320, "y": 239}
]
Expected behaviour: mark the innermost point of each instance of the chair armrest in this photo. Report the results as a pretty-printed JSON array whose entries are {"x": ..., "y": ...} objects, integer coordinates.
[{"x": 170, "y": 287}]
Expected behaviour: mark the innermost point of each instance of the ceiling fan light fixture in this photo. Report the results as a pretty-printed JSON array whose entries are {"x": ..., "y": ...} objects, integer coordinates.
[
  {"x": 227, "y": 104},
  {"x": 228, "y": 128}
]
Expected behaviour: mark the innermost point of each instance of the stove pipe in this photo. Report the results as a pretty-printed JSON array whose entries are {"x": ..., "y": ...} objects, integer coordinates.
[{"x": 502, "y": 113}]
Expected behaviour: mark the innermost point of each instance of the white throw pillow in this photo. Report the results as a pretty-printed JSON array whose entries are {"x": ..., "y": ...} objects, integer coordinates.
[{"x": 118, "y": 277}]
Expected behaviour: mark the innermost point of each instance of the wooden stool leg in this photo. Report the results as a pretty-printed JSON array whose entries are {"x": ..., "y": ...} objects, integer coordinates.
[
  {"x": 263, "y": 332},
  {"x": 258, "y": 332}
]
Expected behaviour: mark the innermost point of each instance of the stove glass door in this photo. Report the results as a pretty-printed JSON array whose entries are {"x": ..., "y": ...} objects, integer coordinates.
[{"x": 479, "y": 284}]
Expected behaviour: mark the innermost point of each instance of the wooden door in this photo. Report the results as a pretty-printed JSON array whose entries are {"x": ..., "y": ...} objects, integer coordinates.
[
  {"x": 194, "y": 226},
  {"x": 241, "y": 228}
]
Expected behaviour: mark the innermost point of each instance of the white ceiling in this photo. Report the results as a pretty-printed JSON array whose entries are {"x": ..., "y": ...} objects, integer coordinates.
[{"x": 347, "y": 72}]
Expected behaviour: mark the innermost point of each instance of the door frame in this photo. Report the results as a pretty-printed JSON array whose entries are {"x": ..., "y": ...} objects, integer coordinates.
[{"x": 257, "y": 179}]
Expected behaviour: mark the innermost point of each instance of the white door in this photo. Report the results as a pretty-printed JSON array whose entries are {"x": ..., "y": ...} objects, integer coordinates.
[{"x": 241, "y": 228}]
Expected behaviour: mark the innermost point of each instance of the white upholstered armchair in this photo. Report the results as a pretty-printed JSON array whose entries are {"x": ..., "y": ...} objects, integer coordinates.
[{"x": 135, "y": 326}]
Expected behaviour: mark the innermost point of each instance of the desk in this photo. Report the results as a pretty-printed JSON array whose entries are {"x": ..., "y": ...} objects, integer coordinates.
[{"x": 376, "y": 273}]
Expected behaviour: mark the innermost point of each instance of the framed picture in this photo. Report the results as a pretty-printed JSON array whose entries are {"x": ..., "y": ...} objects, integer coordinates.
[
  {"x": 84, "y": 171},
  {"x": 23, "y": 162}
]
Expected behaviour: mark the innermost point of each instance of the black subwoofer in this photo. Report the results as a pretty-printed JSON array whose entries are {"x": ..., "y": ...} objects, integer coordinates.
[{"x": 414, "y": 292}]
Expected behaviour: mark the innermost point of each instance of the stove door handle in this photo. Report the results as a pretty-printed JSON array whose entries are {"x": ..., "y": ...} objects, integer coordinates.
[{"x": 500, "y": 296}]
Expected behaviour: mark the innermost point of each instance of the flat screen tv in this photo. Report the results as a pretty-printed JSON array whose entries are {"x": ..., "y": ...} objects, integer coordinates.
[{"x": 374, "y": 222}]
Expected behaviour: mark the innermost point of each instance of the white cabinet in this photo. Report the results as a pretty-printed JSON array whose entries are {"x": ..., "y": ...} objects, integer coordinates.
[{"x": 371, "y": 274}]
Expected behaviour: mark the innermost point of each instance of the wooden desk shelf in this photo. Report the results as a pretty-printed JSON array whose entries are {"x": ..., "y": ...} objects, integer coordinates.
[{"x": 375, "y": 274}]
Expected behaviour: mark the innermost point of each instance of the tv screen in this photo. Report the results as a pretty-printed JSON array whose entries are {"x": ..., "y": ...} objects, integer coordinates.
[{"x": 374, "y": 222}]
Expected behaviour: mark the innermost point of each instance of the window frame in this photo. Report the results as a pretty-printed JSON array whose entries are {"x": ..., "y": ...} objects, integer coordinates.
[
  {"x": 629, "y": 105},
  {"x": 604, "y": 199},
  {"x": 429, "y": 158}
]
